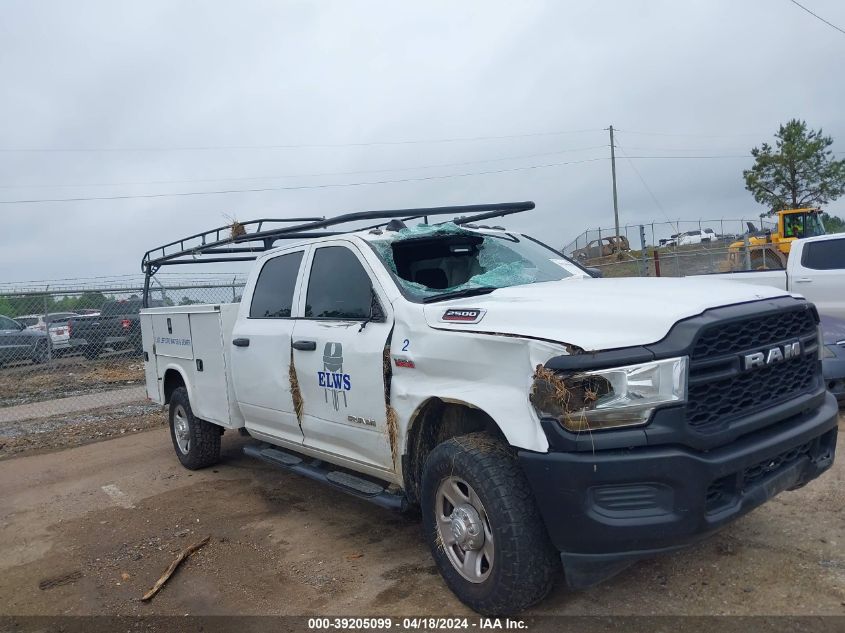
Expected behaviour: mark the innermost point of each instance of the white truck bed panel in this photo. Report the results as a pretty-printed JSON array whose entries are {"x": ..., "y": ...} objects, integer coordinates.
[{"x": 194, "y": 341}]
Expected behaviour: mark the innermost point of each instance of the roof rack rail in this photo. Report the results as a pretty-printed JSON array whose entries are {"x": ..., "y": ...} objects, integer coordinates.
[{"x": 246, "y": 241}]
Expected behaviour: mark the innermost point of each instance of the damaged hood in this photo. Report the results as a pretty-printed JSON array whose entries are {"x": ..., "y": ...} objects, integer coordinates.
[{"x": 594, "y": 314}]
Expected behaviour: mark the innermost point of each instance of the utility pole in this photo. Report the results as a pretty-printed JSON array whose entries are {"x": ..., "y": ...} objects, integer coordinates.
[{"x": 613, "y": 172}]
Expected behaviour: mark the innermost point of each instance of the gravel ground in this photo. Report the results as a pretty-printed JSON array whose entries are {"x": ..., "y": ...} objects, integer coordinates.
[
  {"x": 65, "y": 431},
  {"x": 88, "y": 530},
  {"x": 69, "y": 376}
]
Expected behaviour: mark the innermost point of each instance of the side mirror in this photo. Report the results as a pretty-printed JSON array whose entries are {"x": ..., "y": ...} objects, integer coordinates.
[{"x": 595, "y": 272}]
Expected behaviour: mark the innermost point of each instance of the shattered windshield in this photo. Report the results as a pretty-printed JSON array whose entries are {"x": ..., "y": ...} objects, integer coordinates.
[{"x": 432, "y": 260}]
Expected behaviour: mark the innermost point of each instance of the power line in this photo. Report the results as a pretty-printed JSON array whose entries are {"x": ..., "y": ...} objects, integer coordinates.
[
  {"x": 818, "y": 17},
  {"x": 205, "y": 148},
  {"x": 330, "y": 173},
  {"x": 299, "y": 187},
  {"x": 695, "y": 157},
  {"x": 644, "y": 133},
  {"x": 709, "y": 156},
  {"x": 648, "y": 189},
  {"x": 356, "y": 184},
  {"x": 465, "y": 139},
  {"x": 680, "y": 149}
]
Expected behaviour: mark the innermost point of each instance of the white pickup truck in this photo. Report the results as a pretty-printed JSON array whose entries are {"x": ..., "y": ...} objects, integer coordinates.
[
  {"x": 815, "y": 269},
  {"x": 542, "y": 420}
]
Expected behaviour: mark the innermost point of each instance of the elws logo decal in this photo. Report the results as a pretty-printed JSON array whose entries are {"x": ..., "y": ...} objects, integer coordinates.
[
  {"x": 332, "y": 378},
  {"x": 463, "y": 315}
]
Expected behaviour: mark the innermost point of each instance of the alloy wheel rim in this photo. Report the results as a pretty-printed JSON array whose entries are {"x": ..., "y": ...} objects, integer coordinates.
[
  {"x": 463, "y": 529},
  {"x": 181, "y": 429}
]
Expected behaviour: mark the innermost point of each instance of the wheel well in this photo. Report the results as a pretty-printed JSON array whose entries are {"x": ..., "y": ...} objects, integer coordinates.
[
  {"x": 435, "y": 422},
  {"x": 172, "y": 381}
]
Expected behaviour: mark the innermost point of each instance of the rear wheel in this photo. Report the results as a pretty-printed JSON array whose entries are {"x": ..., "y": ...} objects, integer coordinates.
[
  {"x": 483, "y": 527},
  {"x": 196, "y": 442}
]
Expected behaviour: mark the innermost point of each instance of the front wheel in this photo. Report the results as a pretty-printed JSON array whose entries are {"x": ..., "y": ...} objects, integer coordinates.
[
  {"x": 41, "y": 353},
  {"x": 483, "y": 527},
  {"x": 196, "y": 442},
  {"x": 765, "y": 260}
]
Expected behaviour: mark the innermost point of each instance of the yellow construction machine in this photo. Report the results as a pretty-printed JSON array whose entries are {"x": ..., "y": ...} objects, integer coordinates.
[{"x": 769, "y": 248}]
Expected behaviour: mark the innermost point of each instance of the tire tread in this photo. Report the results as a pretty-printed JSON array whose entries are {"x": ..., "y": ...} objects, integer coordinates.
[{"x": 204, "y": 449}]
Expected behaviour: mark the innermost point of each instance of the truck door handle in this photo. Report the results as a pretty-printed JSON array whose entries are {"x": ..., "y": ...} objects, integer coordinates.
[
  {"x": 240, "y": 342},
  {"x": 803, "y": 280},
  {"x": 305, "y": 346}
]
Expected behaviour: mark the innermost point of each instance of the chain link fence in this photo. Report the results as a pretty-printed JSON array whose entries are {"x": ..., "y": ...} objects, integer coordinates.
[
  {"x": 660, "y": 234},
  {"x": 71, "y": 346},
  {"x": 675, "y": 249}
]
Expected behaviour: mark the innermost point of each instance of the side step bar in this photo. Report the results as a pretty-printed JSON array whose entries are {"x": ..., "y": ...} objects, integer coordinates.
[{"x": 367, "y": 489}]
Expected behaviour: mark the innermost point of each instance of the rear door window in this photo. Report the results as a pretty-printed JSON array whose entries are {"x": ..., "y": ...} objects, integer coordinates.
[
  {"x": 273, "y": 295},
  {"x": 826, "y": 255}
]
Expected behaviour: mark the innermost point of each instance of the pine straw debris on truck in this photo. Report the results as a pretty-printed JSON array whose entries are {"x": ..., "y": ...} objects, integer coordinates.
[
  {"x": 391, "y": 417},
  {"x": 566, "y": 397},
  {"x": 295, "y": 392}
]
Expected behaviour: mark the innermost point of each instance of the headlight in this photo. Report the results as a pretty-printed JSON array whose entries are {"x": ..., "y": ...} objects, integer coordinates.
[
  {"x": 827, "y": 352},
  {"x": 609, "y": 398}
]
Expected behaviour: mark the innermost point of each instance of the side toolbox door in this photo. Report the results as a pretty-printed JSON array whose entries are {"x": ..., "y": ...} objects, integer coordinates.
[
  {"x": 210, "y": 368},
  {"x": 338, "y": 357},
  {"x": 261, "y": 350},
  {"x": 150, "y": 366}
]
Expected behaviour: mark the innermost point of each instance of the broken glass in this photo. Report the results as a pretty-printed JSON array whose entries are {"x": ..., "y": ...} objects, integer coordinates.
[{"x": 438, "y": 254}]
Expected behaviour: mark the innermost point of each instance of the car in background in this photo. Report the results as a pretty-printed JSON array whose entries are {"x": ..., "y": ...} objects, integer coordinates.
[
  {"x": 833, "y": 356},
  {"x": 670, "y": 241},
  {"x": 60, "y": 336},
  {"x": 696, "y": 237},
  {"x": 55, "y": 322},
  {"x": 117, "y": 326},
  {"x": 21, "y": 343},
  {"x": 815, "y": 269},
  {"x": 602, "y": 247},
  {"x": 689, "y": 238}
]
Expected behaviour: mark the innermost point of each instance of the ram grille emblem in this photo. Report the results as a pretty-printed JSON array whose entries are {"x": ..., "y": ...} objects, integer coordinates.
[{"x": 771, "y": 356}]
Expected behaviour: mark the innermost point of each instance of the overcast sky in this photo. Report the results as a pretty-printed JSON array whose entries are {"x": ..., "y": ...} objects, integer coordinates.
[{"x": 180, "y": 97}]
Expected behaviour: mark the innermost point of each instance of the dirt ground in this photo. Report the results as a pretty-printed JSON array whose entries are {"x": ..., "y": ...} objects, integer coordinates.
[
  {"x": 88, "y": 530},
  {"x": 68, "y": 376}
]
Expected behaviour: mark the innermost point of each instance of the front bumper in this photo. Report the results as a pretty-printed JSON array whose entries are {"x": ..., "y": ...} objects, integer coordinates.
[{"x": 607, "y": 509}]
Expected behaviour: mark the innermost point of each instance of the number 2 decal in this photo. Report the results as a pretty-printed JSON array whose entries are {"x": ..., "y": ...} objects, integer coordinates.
[{"x": 405, "y": 345}]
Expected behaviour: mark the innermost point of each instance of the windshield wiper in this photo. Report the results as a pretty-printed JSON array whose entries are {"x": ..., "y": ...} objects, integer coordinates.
[{"x": 456, "y": 294}]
